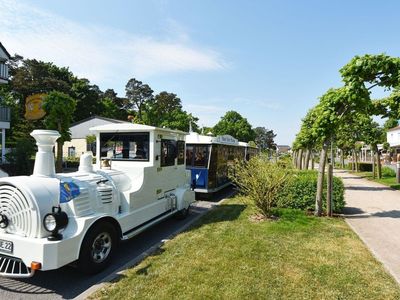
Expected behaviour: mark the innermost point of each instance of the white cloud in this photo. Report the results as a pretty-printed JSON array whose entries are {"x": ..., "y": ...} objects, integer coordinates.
[{"x": 99, "y": 54}]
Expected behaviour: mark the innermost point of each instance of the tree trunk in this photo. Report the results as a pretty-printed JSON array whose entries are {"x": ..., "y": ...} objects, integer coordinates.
[
  {"x": 329, "y": 185},
  {"x": 378, "y": 163},
  {"x": 312, "y": 160},
  {"x": 320, "y": 182},
  {"x": 373, "y": 165},
  {"x": 356, "y": 160},
  {"x": 59, "y": 156},
  {"x": 294, "y": 158},
  {"x": 307, "y": 160},
  {"x": 342, "y": 158},
  {"x": 300, "y": 160}
]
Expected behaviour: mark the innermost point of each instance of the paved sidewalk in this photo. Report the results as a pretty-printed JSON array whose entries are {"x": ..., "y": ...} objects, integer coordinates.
[{"x": 373, "y": 211}]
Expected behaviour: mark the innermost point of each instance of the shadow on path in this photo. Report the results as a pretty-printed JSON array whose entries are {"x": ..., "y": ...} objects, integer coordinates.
[{"x": 368, "y": 188}]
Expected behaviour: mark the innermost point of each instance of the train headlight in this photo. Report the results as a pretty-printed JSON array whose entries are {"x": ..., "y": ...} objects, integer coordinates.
[
  {"x": 50, "y": 223},
  {"x": 54, "y": 222}
]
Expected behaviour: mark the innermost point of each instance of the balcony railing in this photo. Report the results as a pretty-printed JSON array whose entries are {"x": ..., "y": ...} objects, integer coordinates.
[{"x": 5, "y": 114}]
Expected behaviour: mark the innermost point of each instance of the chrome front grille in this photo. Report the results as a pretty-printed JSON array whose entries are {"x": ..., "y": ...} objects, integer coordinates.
[
  {"x": 14, "y": 267},
  {"x": 21, "y": 216}
]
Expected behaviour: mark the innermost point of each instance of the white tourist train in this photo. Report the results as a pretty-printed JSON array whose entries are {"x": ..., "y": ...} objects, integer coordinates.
[{"x": 49, "y": 220}]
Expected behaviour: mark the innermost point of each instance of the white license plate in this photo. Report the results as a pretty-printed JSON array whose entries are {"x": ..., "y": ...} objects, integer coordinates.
[{"x": 6, "y": 246}]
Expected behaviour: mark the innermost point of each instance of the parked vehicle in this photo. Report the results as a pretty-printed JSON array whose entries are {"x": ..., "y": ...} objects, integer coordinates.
[
  {"x": 49, "y": 220},
  {"x": 208, "y": 159}
]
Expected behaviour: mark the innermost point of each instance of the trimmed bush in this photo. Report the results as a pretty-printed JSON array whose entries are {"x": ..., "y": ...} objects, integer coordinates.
[
  {"x": 302, "y": 187},
  {"x": 388, "y": 172},
  {"x": 362, "y": 166},
  {"x": 261, "y": 180}
]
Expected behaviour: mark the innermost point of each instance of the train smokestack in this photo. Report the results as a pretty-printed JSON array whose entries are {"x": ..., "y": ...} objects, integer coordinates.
[{"x": 44, "y": 161}]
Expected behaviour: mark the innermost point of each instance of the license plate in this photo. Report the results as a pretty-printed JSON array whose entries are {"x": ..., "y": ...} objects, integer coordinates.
[{"x": 6, "y": 246}]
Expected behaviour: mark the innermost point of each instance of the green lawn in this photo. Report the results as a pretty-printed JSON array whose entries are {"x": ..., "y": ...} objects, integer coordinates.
[
  {"x": 227, "y": 256},
  {"x": 388, "y": 181}
]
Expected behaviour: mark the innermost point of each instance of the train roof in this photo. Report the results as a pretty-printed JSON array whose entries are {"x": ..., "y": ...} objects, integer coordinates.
[
  {"x": 195, "y": 138},
  {"x": 130, "y": 127}
]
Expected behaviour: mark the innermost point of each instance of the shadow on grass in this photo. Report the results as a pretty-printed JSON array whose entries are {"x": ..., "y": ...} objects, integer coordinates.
[{"x": 220, "y": 213}]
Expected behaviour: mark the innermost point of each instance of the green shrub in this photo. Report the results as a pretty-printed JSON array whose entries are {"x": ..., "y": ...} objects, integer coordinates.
[
  {"x": 302, "y": 187},
  {"x": 261, "y": 180},
  {"x": 388, "y": 172},
  {"x": 362, "y": 166}
]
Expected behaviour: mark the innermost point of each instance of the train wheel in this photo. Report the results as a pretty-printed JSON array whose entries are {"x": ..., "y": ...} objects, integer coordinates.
[{"x": 97, "y": 248}]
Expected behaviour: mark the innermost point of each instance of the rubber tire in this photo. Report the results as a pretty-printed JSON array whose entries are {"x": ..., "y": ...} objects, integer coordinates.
[
  {"x": 183, "y": 213},
  {"x": 85, "y": 262}
]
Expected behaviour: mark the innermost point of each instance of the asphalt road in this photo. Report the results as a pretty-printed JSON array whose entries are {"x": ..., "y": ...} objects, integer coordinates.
[{"x": 68, "y": 283}]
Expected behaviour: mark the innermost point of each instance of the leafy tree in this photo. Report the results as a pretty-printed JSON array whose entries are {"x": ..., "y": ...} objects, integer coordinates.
[
  {"x": 112, "y": 106},
  {"x": 59, "y": 108},
  {"x": 138, "y": 95},
  {"x": 165, "y": 110},
  {"x": 87, "y": 97},
  {"x": 390, "y": 123},
  {"x": 232, "y": 123},
  {"x": 264, "y": 138},
  {"x": 32, "y": 76}
]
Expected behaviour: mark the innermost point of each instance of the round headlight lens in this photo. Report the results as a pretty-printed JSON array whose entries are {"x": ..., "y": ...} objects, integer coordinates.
[{"x": 50, "y": 222}]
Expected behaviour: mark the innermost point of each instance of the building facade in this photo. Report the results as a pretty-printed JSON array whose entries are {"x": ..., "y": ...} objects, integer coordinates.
[
  {"x": 79, "y": 133},
  {"x": 5, "y": 115}
]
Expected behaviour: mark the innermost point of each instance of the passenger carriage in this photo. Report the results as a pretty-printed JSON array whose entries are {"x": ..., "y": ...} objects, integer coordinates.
[{"x": 208, "y": 159}]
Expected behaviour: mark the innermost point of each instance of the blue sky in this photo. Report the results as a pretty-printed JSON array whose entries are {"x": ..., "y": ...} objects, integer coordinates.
[{"x": 268, "y": 60}]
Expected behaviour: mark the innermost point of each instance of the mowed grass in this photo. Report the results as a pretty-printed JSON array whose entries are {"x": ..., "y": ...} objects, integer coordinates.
[
  {"x": 227, "y": 256},
  {"x": 388, "y": 181}
]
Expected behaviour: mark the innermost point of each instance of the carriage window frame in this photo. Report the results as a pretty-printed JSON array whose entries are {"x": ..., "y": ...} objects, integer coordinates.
[
  {"x": 127, "y": 143},
  {"x": 180, "y": 148},
  {"x": 168, "y": 152}
]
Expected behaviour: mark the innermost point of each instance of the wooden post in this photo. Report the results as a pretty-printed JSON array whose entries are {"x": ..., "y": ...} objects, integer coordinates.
[{"x": 329, "y": 194}]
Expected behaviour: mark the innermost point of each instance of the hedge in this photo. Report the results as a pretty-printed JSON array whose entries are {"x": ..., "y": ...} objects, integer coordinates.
[
  {"x": 362, "y": 166},
  {"x": 302, "y": 188}
]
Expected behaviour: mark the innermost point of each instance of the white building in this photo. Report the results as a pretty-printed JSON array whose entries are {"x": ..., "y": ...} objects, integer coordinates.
[
  {"x": 80, "y": 130},
  {"x": 393, "y": 137},
  {"x": 4, "y": 111},
  {"x": 4, "y": 56}
]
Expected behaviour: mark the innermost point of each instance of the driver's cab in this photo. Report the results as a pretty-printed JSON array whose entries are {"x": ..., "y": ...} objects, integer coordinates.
[{"x": 153, "y": 159}]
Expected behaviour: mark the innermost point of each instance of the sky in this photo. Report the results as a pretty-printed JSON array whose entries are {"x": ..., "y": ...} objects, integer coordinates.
[{"x": 268, "y": 60}]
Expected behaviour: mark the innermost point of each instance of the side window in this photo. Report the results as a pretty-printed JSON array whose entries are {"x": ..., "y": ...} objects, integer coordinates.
[
  {"x": 181, "y": 152},
  {"x": 201, "y": 156},
  {"x": 189, "y": 155},
  {"x": 168, "y": 153},
  {"x": 125, "y": 146}
]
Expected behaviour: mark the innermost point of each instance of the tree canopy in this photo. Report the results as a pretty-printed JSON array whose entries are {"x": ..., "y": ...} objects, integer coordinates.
[{"x": 234, "y": 124}]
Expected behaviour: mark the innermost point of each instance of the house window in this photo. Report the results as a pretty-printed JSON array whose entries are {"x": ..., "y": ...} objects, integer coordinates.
[{"x": 71, "y": 151}]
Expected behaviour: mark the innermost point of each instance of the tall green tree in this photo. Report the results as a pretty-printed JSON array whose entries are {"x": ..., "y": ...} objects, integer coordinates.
[
  {"x": 232, "y": 123},
  {"x": 87, "y": 97},
  {"x": 165, "y": 110},
  {"x": 59, "y": 109},
  {"x": 138, "y": 95},
  {"x": 264, "y": 138}
]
